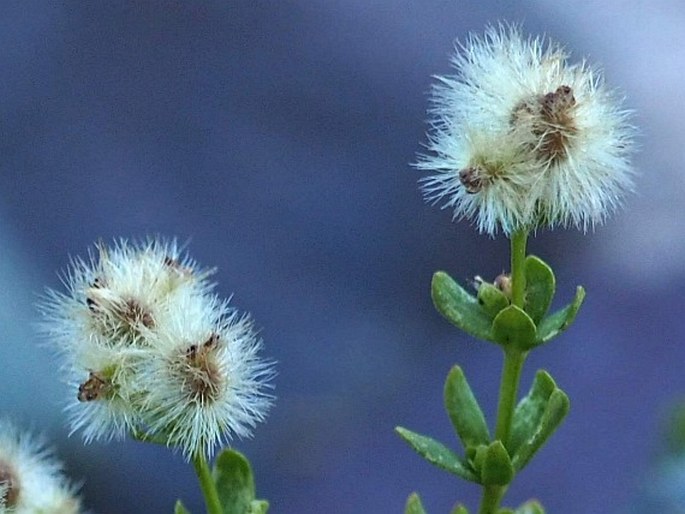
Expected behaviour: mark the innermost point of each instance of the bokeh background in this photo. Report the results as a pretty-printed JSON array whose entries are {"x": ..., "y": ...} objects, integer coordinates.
[{"x": 276, "y": 138}]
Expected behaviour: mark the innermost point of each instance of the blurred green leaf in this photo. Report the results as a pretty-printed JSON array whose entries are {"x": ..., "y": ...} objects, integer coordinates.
[
  {"x": 459, "y": 509},
  {"x": 540, "y": 285},
  {"x": 553, "y": 325},
  {"x": 459, "y": 307},
  {"x": 437, "y": 454},
  {"x": 414, "y": 505},
  {"x": 530, "y": 507},
  {"x": 258, "y": 507},
  {"x": 497, "y": 468},
  {"x": 513, "y": 327},
  {"x": 464, "y": 411},
  {"x": 529, "y": 411},
  {"x": 555, "y": 411},
  {"x": 179, "y": 508}
]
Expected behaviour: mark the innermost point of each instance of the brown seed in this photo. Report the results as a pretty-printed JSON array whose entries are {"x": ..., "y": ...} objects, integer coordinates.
[
  {"x": 472, "y": 178},
  {"x": 9, "y": 480},
  {"x": 94, "y": 388}
]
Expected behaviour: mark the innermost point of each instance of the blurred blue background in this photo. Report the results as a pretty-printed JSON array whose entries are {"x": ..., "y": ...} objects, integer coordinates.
[{"x": 276, "y": 137}]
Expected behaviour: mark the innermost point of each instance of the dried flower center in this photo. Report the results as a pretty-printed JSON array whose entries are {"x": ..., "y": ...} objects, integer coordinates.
[
  {"x": 9, "y": 485},
  {"x": 205, "y": 378},
  {"x": 117, "y": 318},
  {"x": 474, "y": 179},
  {"x": 95, "y": 388},
  {"x": 551, "y": 121}
]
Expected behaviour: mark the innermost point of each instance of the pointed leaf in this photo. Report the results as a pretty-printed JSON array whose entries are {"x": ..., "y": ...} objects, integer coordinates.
[
  {"x": 258, "y": 507},
  {"x": 530, "y": 507},
  {"x": 491, "y": 299},
  {"x": 234, "y": 482},
  {"x": 513, "y": 327},
  {"x": 459, "y": 307},
  {"x": 179, "y": 508},
  {"x": 540, "y": 285},
  {"x": 414, "y": 505},
  {"x": 459, "y": 509},
  {"x": 555, "y": 412},
  {"x": 464, "y": 411},
  {"x": 437, "y": 454},
  {"x": 497, "y": 468},
  {"x": 530, "y": 410},
  {"x": 553, "y": 325}
]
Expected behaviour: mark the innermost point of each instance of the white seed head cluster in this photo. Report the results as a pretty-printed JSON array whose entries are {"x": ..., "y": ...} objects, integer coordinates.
[
  {"x": 522, "y": 139},
  {"x": 150, "y": 350},
  {"x": 31, "y": 478}
]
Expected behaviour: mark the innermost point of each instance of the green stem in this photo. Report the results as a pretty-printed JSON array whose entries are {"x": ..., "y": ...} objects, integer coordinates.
[
  {"x": 207, "y": 485},
  {"x": 511, "y": 371},
  {"x": 492, "y": 495},
  {"x": 511, "y": 374}
]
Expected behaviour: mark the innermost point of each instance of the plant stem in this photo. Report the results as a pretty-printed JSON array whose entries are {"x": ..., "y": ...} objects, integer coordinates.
[
  {"x": 492, "y": 495},
  {"x": 511, "y": 371},
  {"x": 207, "y": 485}
]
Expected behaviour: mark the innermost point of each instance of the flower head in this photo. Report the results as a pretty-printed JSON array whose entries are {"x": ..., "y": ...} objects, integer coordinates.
[
  {"x": 31, "y": 478},
  {"x": 150, "y": 350},
  {"x": 520, "y": 138}
]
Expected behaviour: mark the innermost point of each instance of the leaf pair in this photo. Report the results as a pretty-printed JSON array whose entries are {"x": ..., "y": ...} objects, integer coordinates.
[
  {"x": 488, "y": 462},
  {"x": 490, "y": 316},
  {"x": 235, "y": 486}
]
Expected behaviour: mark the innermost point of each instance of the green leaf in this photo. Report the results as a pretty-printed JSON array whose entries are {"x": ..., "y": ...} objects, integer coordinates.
[
  {"x": 513, "y": 327},
  {"x": 459, "y": 307},
  {"x": 553, "y": 325},
  {"x": 179, "y": 508},
  {"x": 464, "y": 411},
  {"x": 505, "y": 511},
  {"x": 437, "y": 454},
  {"x": 258, "y": 507},
  {"x": 459, "y": 509},
  {"x": 530, "y": 507},
  {"x": 497, "y": 468},
  {"x": 414, "y": 505},
  {"x": 234, "y": 482},
  {"x": 555, "y": 411},
  {"x": 530, "y": 410},
  {"x": 540, "y": 286},
  {"x": 491, "y": 299}
]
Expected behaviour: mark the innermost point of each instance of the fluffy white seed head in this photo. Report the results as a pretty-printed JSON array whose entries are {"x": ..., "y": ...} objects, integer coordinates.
[
  {"x": 520, "y": 138},
  {"x": 31, "y": 478},
  {"x": 126, "y": 329},
  {"x": 208, "y": 384}
]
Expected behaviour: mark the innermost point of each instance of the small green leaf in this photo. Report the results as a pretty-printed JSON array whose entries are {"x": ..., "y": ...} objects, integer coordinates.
[
  {"x": 414, "y": 505},
  {"x": 464, "y": 411},
  {"x": 491, "y": 299},
  {"x": 179, "y": 508},
  {"x": 505, "y": 511},
  {"x": 258, "y": 507},
  {"x": 497, "y": 468},
  {"x": 437, "y": 454},
  {"x": 459, "y": 509},
  {"x": 553, "y": 325},
  {"x": 530, "y": 507},
  {"x": 234, "y": 482},
  {"x": 513, "y": 327},
  {"x": 555, "y": 411},
  {"x": 459, "y": 307},
  {"x": 540, "y": 285},
  {"x": 530, "y": 410}
]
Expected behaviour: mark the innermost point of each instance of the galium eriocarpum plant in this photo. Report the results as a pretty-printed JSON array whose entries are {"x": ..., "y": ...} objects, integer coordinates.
[
  {"x": 152, "y": 353},
  {"x": 520, "y": 140}
]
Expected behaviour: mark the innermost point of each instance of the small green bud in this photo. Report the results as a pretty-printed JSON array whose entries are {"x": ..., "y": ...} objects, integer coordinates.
[{"x": 496, "y": 468}]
